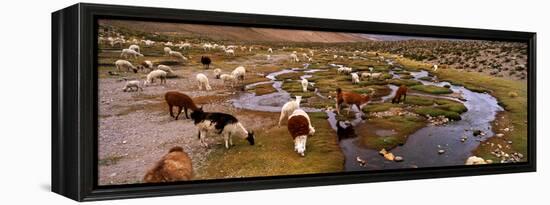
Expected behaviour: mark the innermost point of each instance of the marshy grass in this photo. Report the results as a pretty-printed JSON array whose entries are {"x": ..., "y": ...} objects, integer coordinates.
[{"x": 274, "y": 154}]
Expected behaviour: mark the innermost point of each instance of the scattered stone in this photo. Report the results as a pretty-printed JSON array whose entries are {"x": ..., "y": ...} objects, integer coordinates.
[
  {"x": 437, "y": 121},
  {"x": 440, "y": 151},
  {"x": 113, "y": 174},
  {"x": 361, "y": 162},
  {"x": 477, "y": 132},
  {"x": 509, "y": 142},
  {"x": 489, "y": 161},
  {"x": 393, "y": 112},
  {"x": 398, "y": 159},
  {"x": 463, "y": 139},
  {"x": 473, "y": 160},
  {"x": 500, "y": 135},
  {"x": 124, "y": 142},
  {"x": 506, "y": 129},
  {"x": 389, "y": 156}
]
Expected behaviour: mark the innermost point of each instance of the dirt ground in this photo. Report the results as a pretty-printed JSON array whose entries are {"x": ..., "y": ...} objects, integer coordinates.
[{"x": 130, "y": 140}]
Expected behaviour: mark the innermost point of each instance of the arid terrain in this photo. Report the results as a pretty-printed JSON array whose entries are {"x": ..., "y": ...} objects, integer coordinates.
[{"x": 473, "y": 104}]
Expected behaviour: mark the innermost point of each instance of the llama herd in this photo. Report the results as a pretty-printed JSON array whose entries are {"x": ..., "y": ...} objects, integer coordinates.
[
  {"x": 161, "y": 72},
  {"x": 176, "y": 165}
]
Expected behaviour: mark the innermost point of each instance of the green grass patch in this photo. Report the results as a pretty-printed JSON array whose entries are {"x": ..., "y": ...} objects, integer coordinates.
[
  {"x": 405, "y": 76},
  {"x": 419, "y": 100},
  {"x": 403, "y": 126},
  {"x": 432, "y": 89},
  {"x": 295, "y": 89},
  {"x": 290, "y": 76},
  {"x": 435, "y": 107},
  {"x": 274, "y": 154},
  {"x": 263, "y": 89},
  {"x": 426, "y": 78},
  {"x": 380, "y": 107},
  {"x": 406, "y": 82}
]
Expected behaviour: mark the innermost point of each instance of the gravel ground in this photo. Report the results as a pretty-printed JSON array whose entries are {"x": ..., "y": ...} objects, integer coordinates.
[{"x": 135, "y": 129}]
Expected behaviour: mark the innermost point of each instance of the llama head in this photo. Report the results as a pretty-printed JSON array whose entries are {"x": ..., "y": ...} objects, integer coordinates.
[
  {"x": 250, "y": 138},
  {"x": 197, "y": 114}
]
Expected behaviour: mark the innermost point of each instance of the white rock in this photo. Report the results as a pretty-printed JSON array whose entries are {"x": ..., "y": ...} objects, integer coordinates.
[
  {"x": 473, "y": 160},
  {"x": 398, "y": 159}
]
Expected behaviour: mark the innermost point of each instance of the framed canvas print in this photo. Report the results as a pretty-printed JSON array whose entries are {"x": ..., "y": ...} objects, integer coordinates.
[{"x": 156, "y": 101}]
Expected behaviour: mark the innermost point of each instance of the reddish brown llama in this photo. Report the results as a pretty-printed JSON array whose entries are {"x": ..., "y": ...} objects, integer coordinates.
[
  {"x": 174, "y": 166},
  {"x": 350, "y": 98},
  {"x": 180, "y": 100},
  {"x": 401, "y": 91}
]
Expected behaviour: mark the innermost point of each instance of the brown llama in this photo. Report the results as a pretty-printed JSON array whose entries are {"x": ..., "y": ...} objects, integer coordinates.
[
  {"x": 174, "y": 166},
  {"x": 180, "y": 100},
  {"x": 350, "y": 98},
  {"x": 401, "y": 91}
]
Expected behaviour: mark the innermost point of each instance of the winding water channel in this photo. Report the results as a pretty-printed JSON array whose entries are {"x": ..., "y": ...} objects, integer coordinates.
[{"x": 421, "y": 147}]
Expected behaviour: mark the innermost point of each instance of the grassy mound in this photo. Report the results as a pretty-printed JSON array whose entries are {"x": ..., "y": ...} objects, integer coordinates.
[
  {"x": 403, "y": 126},
  {"x": 432, "y": 89},
  {"x": 406, "y": 82}
]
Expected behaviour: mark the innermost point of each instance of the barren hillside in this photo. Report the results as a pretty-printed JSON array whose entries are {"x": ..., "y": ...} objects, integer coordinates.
[{"x": 239, "y": 33}]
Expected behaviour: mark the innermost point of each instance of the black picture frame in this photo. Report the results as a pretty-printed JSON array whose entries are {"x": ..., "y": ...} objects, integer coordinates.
[{"x": 74, "y": 101}]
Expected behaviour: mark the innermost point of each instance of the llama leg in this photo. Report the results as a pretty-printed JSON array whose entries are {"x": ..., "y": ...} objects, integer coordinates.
[
  {"x": 179, "y": 111},
  {"x": 281, "y": 117},
  {"x": 170, "y": 110},
  {"x": 231, "y": 140},
  {"x": 201, "y": 138},
  {"x": 304, "y": 146},
  {"x": 359, "y": 108},
  {"x": 337, "y": 108},
  {"x": 226, "y": 139},
  {"x": 404, "y": 97},
  {"x": 185, "y": 109}
]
